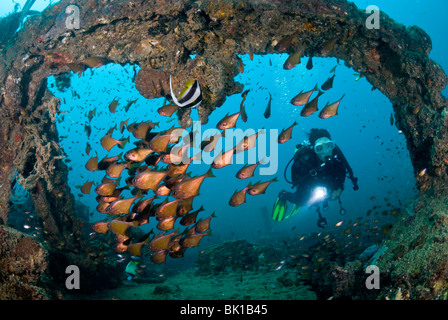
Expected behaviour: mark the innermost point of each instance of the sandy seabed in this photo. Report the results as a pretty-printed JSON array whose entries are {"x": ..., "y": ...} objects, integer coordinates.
[{"x": 247, "y": 285}]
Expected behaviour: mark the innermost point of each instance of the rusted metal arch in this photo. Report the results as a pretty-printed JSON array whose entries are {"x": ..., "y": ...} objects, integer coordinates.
[{"x": 162, "y": 35}]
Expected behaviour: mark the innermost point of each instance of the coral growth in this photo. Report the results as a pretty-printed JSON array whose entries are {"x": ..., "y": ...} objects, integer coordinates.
[{"x": 22, "y": 264}]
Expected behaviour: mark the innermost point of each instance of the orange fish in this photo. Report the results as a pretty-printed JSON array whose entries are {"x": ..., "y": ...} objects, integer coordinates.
[
  {"x": 260, "y": 187},
  {"x": 142, "y": 205},
  {"x": 311, "y": 106},
  {"x": 88, "y": 130},
  {"x": 114, "y": 196},
  {"x": 190, "y": 187},
  {"x": 229, "y": 121},
  {"x": 210, "y": 144},
  {"x": 161, "y": 241},
  {"x": 242, "y": 108},
  {"x": 137, "y": 154},
  {"x": 328, "y": 47},
  {"x": 285, "y": 43},
  {"x": 293, "y": 60},
  {"x": 107, "y": 161},
  {"x": 167, "y": 223},
  {"x": 94, "y": 62},
  {"x": 174, "y": 170},
  {"x": 184, "y": 206},
  {"x": 135, "y": 249},
  {"x": 163, "y": 190},
  {"x": 106, "y": 189},
  {"x": 121, "y": 227},
  {"x": 223, "y": 159},
  {"x": 193, "y": 240},
  {"x": 190, "y": 218},
  {"x": 148, "y": 179},
  {"x": 160, "y": 142},
  {"x": 101, "y": 227},
  {"x": 303, "y": 97},
  {"x": 248, "y": 142},
  {"x": 88, "y": 148},
  {"x": 330, "y": 109},
  {"x": 121, "y": 206},
  {"x": 92, "y": 164},
  {"x": 204, "y": 225},
  {"x": 239, "y": 197},
  {"x": 91, "y": 114},
  {"x": 168, "y": 110},
  {"x": 166, "y": 209},
  {"x": 123, "y": 124},
  {"x": 102, "y": 206},
  {"x": 113, "y": 106},
  {"x": 240, "y": 62},
  {"x": 115, "y": 169},
  {"x": 107, "y": 142},
  {"x": 286, "y": 134},
  {"x": 159, "y": 256},
  {"x": 86, "y": 187},
  {"x": 247, "y": 171}
]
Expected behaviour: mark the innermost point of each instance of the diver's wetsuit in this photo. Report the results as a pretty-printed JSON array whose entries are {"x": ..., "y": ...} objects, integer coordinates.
[{"x": 308, "y": 172}]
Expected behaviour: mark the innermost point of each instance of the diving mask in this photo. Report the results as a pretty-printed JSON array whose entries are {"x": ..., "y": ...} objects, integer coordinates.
[{"x": 324, "y": 148}]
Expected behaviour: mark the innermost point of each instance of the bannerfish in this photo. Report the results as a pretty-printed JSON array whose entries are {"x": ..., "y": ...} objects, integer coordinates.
[
  {"x": 330, "y": 109},
  {"x": 190, "y": 96}
]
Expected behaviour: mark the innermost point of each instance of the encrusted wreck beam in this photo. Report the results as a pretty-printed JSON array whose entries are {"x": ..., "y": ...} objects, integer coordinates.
[{"x": 163, "y": 34}]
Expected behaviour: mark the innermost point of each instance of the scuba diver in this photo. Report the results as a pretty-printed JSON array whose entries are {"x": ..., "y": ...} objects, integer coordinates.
[{"x": 318, "y": 172}]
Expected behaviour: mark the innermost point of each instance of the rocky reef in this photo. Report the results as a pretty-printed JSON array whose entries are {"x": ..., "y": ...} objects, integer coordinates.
[
  {"x": 161, "y": 36},
  {"x": 23, "y": 262}
]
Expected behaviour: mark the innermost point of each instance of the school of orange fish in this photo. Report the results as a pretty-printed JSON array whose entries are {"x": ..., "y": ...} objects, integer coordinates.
[{"x": 126, "y": 215}]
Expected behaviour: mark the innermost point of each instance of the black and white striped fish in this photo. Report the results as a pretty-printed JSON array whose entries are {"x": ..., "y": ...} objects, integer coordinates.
[{"x": 190, "y": 96}]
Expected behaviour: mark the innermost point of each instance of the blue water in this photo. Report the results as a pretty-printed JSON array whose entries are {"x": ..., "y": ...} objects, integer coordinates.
[{"x": 375, "y": 149}]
